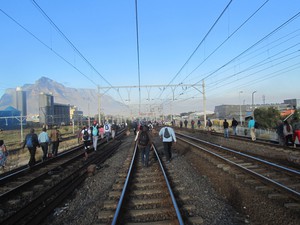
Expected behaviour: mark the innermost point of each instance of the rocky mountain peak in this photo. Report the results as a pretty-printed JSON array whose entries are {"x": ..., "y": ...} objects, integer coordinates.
[{"x": 85, "y": 99}]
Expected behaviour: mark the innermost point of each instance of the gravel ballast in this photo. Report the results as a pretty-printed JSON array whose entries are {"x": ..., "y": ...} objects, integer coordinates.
[{"x": 219, "y": 199}]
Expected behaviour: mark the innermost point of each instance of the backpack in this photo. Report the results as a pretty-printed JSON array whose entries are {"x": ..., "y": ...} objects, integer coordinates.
[
  {"x": 29, "y": 141},
  {"x": 85, "y": 135},
  {"x": 106, "y": 127},
  {"x": 144, "y": 138},
  {"x": 95, "y": 131},
  {"x": 166, "y": 133}
]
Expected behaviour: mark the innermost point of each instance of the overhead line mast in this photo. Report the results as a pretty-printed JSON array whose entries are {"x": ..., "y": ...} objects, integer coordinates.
[{"x": 172, "y": 86}]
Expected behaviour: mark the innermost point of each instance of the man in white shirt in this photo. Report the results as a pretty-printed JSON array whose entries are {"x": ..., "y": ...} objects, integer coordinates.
[
  {"x": 167, "y": 135},
  {"x": 107, "y": 130}
]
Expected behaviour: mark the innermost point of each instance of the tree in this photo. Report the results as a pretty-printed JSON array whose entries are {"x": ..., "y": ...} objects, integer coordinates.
[{"x": 267, "y": 117}]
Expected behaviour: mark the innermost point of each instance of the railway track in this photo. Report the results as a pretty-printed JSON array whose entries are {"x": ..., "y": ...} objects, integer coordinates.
[
  {"x": 278, "y": 181},
  {"x": 146, "y": 195},
  {"x": 141, "y": 195},
  {"x": 265, "y": 142},
  {"x": 28, "y": 196}
]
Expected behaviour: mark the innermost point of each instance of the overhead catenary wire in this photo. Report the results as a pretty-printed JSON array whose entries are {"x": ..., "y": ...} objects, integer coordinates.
[
  {"x": 68, "y": 41},
  {"x": 73, "y": 46},
  {"x": 55, "y": 52},
  {"x": 275, "y": 63},
  {"x": 260, "y": 64},
  {"x": 261, "y": 79},
  {"x": 263, "y": 62},
  {"x": 228, "y": 38},
  {"x": 138, "y": 52},
  {"x": 255, "y": 44},
  {"x": 263, "y": 69},
  {"x": 251, "y": 47},
  {"x": 47, "y": 46},
  {"x": 201, "y": 42},
  {"x": 247, "y": 50}
]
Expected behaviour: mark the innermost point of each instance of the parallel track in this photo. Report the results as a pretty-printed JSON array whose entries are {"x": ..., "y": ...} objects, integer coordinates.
[
  {"x": 280, "y": 181},
  {"x": 28, "y": 196}
]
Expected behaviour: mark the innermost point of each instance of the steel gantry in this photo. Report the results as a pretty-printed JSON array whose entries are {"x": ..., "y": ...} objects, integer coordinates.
[{"x": 162, "y": 88}]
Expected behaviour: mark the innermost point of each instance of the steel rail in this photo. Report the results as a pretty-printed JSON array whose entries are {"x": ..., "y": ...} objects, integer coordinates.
[
  {"x": 49, "y": 199},
  {"x": 120, "y": 203},
  {"x": 286, "y": 169},
  {"x": 292, "y": 193},
  {"x": 44, "y": 202},
  {"x": 179, "y": 217},
  {"x": 119, "y": 206}
]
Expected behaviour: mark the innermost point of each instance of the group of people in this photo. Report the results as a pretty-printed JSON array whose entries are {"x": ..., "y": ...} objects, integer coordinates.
[
  {"x": 92, "y": 134},
  {"x": 226, "y": 126},
  {"x": 287, "y": 133},
  {"x": 144, "y": 140},
  {"x": 43, "y": 140},
  {"x": 252, "y": 125}
]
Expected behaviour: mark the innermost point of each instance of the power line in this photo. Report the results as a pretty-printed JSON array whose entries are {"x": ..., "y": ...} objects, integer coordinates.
[
  {"x": 43, "y": 43},
  {"x": 261, "y": 63},
  {"x": 67, "y": 40},
  {"x": 214, "y": 24},
  {"x": 138, "y": 51},
  {"x": 230, "y": 36},
  {"x": 255, "y": 44}
]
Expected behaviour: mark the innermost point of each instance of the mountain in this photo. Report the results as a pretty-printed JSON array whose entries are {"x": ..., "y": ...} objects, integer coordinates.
[{"x": 85, "y": 99}]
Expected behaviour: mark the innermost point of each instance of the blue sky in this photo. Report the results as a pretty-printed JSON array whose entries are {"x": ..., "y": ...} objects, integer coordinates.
[{"x": 180, "y": 42}]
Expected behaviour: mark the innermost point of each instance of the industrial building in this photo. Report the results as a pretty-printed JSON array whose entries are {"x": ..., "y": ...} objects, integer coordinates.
[
  {"x": 240, "y": 112},
  {"x": 51, "y": 113},
  {"x": 10, "y": 118},
  {"x": 21, "y": 101}
]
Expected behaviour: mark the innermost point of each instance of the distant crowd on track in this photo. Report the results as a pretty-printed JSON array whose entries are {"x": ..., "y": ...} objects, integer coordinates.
[{"x": 287, "y": 131}]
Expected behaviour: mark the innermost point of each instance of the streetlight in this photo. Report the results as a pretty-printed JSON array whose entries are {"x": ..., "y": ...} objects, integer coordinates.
[
  {"x": 240, "y": 107},
  {"x": 253, "y": 103}
]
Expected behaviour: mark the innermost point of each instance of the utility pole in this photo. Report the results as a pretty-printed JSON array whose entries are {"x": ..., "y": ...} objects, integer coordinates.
[
  {"x": 241, "y": 121},
  {"x": 253, "y": 103},
  {"x": 204, "y": 102},
  {"x": 21, "y": 120}
]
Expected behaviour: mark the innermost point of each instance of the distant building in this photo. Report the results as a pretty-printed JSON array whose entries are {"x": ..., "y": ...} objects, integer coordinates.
[
  {"x": 230, "y": 111},
  {"x": 46, "y": 108},
  {"x": 21, "y": 101},
  {"x": 76, "y": 115},
  {"x": 61, "y": 114},
  {"x": 294, "y": 103},
  {"x": 51, "y": 113},
  {"x": 10, "y": 118}
]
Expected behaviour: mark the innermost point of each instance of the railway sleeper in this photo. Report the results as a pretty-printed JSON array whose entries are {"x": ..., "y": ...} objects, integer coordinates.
[
  {"x": 149, "y": 215},
  {"x": 264, "y": 188},
  {"x": 146, "y": 194},
  {"x": 147, "y": 179},
  {"x": 152, "y": 203},
  {"x": 148, "y": 185},
  {"x": 293, "y": 206},
  {"x": 278, "y": 196}
]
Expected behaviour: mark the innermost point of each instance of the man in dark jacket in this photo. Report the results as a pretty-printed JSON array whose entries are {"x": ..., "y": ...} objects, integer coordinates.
[
  {"x": 144, "y": 141},
  {"x": 31, "y": 141},
  {"x": 234, "y": 125},
  {"x": 226, "y": 131}
]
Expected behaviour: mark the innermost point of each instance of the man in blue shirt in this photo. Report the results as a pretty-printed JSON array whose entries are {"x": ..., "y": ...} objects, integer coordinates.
[{"x": 251, "y": 125}]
